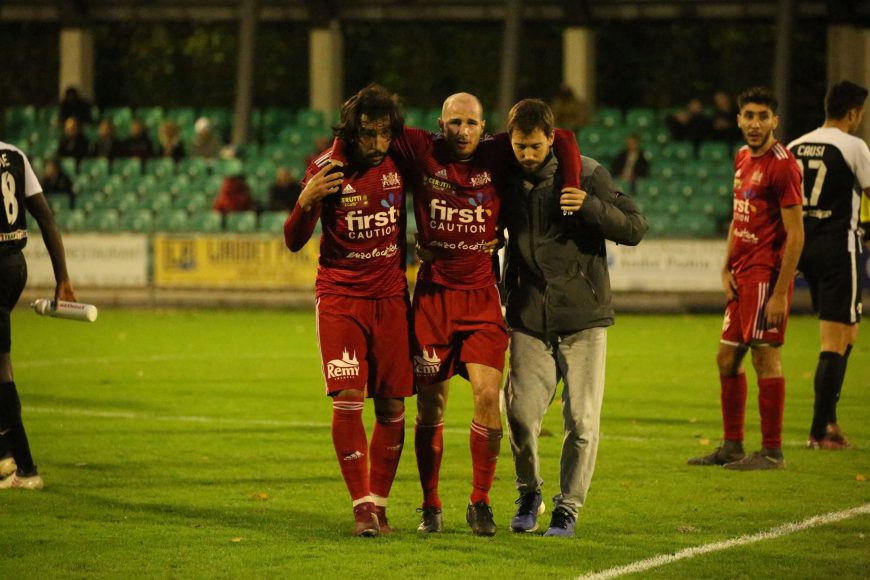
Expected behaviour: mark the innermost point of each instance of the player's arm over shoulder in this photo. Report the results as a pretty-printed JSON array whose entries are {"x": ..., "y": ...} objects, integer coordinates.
[{"x": 613, "y": 213}]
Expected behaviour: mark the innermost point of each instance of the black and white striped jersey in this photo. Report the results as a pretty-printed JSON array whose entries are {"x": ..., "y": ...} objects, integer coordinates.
[
  {"x": 836, "y": 168},
  {"x": 17, "y": 181}
]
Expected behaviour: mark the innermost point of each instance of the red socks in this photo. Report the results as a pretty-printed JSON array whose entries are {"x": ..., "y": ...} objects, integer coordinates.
[
  {"x": 385, "y": 451},
  {"x": 771, "y": 403},
  {"x": 429, "y": 447},
  {"x": 485, "y": 444},
  {"x": 349, "y": 439},
  {"x": 733, "y": 397}
]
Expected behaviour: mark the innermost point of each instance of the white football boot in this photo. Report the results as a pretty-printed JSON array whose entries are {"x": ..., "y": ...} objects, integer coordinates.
[{"x": 15, "y": 482}]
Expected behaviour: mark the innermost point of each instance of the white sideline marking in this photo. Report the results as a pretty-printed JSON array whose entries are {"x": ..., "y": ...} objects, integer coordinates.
[
  {"x": 147, "y": 358},
  {"x": 783, "y": 530}
]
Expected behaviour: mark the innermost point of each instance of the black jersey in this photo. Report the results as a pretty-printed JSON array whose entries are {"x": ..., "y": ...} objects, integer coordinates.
[
  {"x": 17, "y": 182},
  {"x": 836, "y": 168}
]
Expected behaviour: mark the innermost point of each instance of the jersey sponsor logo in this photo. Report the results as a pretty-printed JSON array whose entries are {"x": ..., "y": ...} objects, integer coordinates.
[
  {"x": 438, "y": 184},
  {"x": 481, "y": 179},
  {"x": 358, "y": 200},
  {"x": 480, "y": 199},
  {"x": 345, "y": 368},
  {"x": 391, "y": 180},
  {"x": 743, "y": 210},
  {"x": 383, "y": 223},
  {"x": 745, "y": 236},
  {"x": 810, "y": 150},
  {"x": 453, "y": 219},
  {"x": 821, "y": 214},
  {"x": 756, "y": 178},
  {"x": 427, "y": 364},
  {"x": 387, "y": 252}
]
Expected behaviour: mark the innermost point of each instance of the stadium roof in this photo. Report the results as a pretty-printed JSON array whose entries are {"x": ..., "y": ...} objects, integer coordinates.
[{"x": 572, "y": 11}]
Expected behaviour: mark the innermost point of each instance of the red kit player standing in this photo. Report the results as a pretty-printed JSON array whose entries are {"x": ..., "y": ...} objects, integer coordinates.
[
  {"x": 458, "y": 322},
  {"x": 764, "y": 244},
  {"x": 362, "y": 296}
]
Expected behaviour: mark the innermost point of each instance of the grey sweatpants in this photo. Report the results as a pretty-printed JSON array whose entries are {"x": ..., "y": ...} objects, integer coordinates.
[{"x": 536, "y": 367}]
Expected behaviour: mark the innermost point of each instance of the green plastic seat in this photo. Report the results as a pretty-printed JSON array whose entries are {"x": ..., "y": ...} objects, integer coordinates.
[
  {"x": 193, "y": 203},
  {"x": 72, "y": 220},
  {"x": 161, "y": 167},
  {"x": 95, "y": 167},
  {"x": 123, "y": 202},
  {"x": 193, "y": 166},
  {"x": 206, "y": 222},
  {"x": 173, "y": 220},
  {"x": 228, "y": 167},
  {"x": 103, "y": 220},
  {"x": 241, "y": 222},
  {"x": 679, "y": 151},
  {"x": 91, "y": 201},
  {"x": 158, "y": 202},
  {"x": 273, "y": 222},
  {"x": 640, "y": 118},
  {"x": 713, "y": 151},
  {"x": 137, "y": 221},
  {"x": 311, "y": 118},
  {"x": 608, "y": 117},
  {"x": 58, "y": 203},
  {"x": 666, "y": 169},
  {"x": 127, "y": 167}
]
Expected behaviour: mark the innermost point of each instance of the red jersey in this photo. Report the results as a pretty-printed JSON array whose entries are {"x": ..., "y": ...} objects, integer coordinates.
[
  {"x": 762, "y": 187},
  {"x": 457, "y": 203},
  {"x": 362, "y": 247}
]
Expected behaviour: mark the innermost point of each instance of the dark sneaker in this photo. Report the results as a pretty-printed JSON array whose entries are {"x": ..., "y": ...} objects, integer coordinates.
[
  {"x": 531, "y": 505},
  {"x": 729, "y": 452},
  {"x": 366, "y": 524},
  {"x": 479, "y": 517},
  {"x": 383, "y": 524},
  {"x": 827, "y": 443},
  {"x": 759, "y": 461},
  {"x": 430, "y": 523},
  {"x": 562, "y": 524},
  {"x": 834, "y": 433}
]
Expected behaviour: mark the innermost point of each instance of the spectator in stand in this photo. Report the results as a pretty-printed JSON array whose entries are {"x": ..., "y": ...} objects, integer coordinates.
[
  {"x": 284, "y": 192},
  {"x": 170, "y": 141},
  {"x": 235, "y": 195},
  {"x": 690, "y": 124},
  {"x": 55, "y": 181},
  {"x": 72, "y": 105},
  {"x": 723, "y": 126},
  {"x": 106, "y": 144},
  {"x": 631, "y": 162},
  {"x": 72, "y": 143},
  {"x": 570, "y": 111},
  {"x": 205, "y": 143},
  {"x": 138, "y": 144}
]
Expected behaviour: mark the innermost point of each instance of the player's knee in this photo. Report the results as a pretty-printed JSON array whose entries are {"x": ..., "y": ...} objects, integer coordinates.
[
  {"x": 766, "y": 362},
  {"x": 728, "y": 362},
  {"x": 386, "y": 409}
]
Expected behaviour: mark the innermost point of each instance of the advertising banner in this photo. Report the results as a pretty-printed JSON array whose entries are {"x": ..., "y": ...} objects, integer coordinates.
[{"x": 93, "y": 260}]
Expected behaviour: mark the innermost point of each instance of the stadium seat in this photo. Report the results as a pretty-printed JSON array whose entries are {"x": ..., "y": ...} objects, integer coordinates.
[
  {"x": 714, "y": 151},
  {"x": 58, "y": 203},
  {"x": 131, "y": 167},
  {"x": 137, "y": 221},
  {"x": 650, "y": 187},
  {"x": 124, "y": 202},
  {"x": 679, "y": 151},
  {"x": 241, "y": 222},
  {"x": 272, "y": 222},
  {"x": 193, "y": 167},
  {"x": 161, "y": 167},
  {"x": 311, "y": 118},
  {"x": 95, "y": 167},
  {"x": 206, "y": 222},
  {"x": 228, "y": 167},
  {"x": 69, "y": 166},
  {"x": 193, "y": 203},
  {"x": 72, "y": 220},
  {"x": 640, "y": 118},
  {"x": 173, "y": 220},
  {"x": 608, "y": 117},
  {"x": 159, "y": 202},
  {"x": 90, "y": 201},
  {"x": 666, "y": 169},
  {"x": 102, "y": 220},
  {"x": 120, "y": 116}
]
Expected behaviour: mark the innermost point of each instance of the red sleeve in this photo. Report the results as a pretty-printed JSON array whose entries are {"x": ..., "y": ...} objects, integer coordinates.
[
  {"x": 299, "y": 226},
  {"x": 787, "y": 181},
  {"x": 568, "y": 153},
  {"x": 413, "y": 144}
]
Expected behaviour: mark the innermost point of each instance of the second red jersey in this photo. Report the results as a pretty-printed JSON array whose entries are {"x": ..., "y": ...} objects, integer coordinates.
[
  {"x": 763, "y": 185},
  {"x": 362, "y": 247}
]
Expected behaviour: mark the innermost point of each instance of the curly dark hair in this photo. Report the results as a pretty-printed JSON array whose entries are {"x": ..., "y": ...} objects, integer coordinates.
[
  {"x": 375, "y": 102},
  {"x": 759, "y": 96}
]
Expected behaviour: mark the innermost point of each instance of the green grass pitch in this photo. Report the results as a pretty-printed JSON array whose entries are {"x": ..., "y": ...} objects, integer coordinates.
[{"x": 196, "y": 444}]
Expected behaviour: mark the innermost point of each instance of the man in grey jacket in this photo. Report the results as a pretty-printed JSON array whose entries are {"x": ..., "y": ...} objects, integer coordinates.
[{"x": 558, "y": 310}]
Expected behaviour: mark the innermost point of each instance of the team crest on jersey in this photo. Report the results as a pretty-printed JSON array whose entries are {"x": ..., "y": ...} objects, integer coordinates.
[
  {"x": 427, "y": 364},
  {"x": 391, "y": 180},
  {"x": 347, "y": 367},
  {"x": 756, "y": 177},
  {"x": 481, "y": 179}
]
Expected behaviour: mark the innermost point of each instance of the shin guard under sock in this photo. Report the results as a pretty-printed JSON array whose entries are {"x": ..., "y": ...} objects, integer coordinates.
[
  {"x": 733, "y": 397},
  {"x": 385, "y": 451},
  {"x": 485, "y": 445},
  {"x": 349, "y": 440},
  {"x": 429, "y": 448},
  {"x": 771, "y": 404},
  {"x": 827, "y": 384}
]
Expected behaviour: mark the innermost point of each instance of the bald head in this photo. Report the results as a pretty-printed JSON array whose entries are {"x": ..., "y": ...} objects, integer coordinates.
[{"x": 462, "y": 124}]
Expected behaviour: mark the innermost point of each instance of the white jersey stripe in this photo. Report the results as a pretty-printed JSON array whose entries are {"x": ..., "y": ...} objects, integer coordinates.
[{"x": 853, "y": 272}]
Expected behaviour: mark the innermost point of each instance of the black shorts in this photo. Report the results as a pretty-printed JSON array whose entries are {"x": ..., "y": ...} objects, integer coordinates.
[
  {"x": 13, "y": 276},
  {"x": 834, "y": 277}
]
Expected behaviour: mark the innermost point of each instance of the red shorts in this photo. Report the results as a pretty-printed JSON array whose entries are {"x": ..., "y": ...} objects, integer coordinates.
[
  {"x": 365, "y": 345},
  {"x": 745, "y": 322},
  {"x": 456, "y": 327}
]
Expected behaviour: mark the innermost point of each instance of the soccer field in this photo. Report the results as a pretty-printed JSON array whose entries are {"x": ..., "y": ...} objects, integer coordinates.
[{"x": 197, "y": 444}]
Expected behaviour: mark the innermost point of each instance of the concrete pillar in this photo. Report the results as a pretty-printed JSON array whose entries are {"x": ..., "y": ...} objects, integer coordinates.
[
  {"x": 849, "y": 59},
  {"x": 785, "y": 15},
  {"x": 245, "y": 70},
  {"x": 509, "y": 57},
  {"x": 77, "y": 61},
  {"x": 326, "y": 73},
  {"x": 578, "y": 63}
]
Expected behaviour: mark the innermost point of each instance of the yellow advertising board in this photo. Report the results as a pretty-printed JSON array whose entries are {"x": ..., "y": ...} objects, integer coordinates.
[{"x": 232, "y": 261}]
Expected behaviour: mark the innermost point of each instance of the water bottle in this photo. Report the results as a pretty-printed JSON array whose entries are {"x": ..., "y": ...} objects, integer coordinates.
[{"x": 63, "y": 309}]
